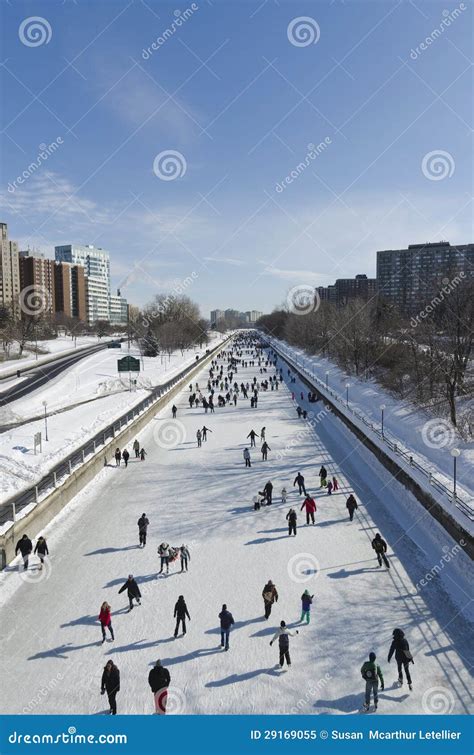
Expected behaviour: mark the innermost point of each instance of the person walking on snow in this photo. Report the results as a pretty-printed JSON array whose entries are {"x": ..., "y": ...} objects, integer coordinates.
[
  {"x": 118, "y": 456},
  {"x": 323, "y": 477},
  {"x": 185, "y": 557},
  {"x": 270, "y": 596},
  {"x": 180, "y": 614},
  {"x": 133, "y": 591},
  {"x": 143, "y": 523},
  {"x": 105, "y": 618},
  {"x": 111, "y": 684},
  {"x": 164, "y": 554},
  {"x": 252, "y": 435},
  {"x": 174, "y": 411},
  {"x": 380, "y": 547},
  {"x": 25, "y": 546},
  {"x": 283, "y": 635},
  {"x": 226, "y": 620},
  {"x": 199, "y": 438},
  {"x": 262, "y": 433},
  {"x": 41, "y": 549},
  {"x": 268, "y": 493},
  {"x": 306, "y": 601},
  {"x": 143, "y": 453},
  {"x": 335, "y": 484},
  {"x": 291, "y": 518},
  {"x": 330, "y": 486},
  {"x": 205, "y": 430},
  {"x": 284, "y": 495},
  {"x": 351, "y": 506},
  {"x": 136, "y": 448},
  {"x": 403, "y": 657},
  {"x": 247, "y": 457},
  {"x": 372, "y": 672},
  {"x": 125, "y": 456},
  {"x": 265, "y": 449},
  {"x": 159, "y": 680},
  {"x": 300, "y": 480},
  {"x": 309, "y": 504}
]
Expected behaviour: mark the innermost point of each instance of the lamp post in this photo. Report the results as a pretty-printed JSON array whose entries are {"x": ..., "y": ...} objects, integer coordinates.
[
  {"x": 382, "y": 407},
  {"x": 347, "y": 394},
  {"x": 455, "y": 452},
  {"x": 327, "y": 380},
  {"x": 45, "y": 420}
]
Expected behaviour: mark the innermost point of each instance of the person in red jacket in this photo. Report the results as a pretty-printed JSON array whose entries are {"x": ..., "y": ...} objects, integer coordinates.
[
  {"x": 310, "y": 505},
  {"x": 105, "y": 618}
]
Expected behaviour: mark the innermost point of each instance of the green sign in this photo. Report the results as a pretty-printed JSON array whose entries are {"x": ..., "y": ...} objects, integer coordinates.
[{"x": 128, "y": 364}]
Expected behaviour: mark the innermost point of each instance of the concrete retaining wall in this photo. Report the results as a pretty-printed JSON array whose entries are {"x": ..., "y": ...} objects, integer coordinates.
[
  {"x": 451, "y": 525},
  {"x": 44, "y": 512}
]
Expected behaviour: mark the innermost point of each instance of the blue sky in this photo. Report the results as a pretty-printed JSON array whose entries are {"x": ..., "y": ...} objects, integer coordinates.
[{"x": 239, "y": 90}]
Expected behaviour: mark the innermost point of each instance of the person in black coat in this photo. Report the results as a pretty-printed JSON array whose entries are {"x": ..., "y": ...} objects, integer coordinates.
[
  {"x": 125, "y": 456},
  {"x": 291, "y": 518},
  {"x": 159, "y": 680},
  {"x": 25, "y": 546},
  {"x": 143, "y": 523},
  {"x": 380, "y": 547},
  {"x": 300, "y": 480},
  {"x": 41, "y": 549},
  {"x": 133, "y": 591},
  {"x": 403, "y": 656},
  {"x": 227, "y": 620},
  {"x": 351, "y": 506},
  {"x": 111, "y": 684},
  {"x": 180, "y": 613},
  {"x": 268, "y": 491}
]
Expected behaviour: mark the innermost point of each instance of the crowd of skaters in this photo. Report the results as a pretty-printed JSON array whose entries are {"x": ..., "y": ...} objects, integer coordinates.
[{"x": 223, "y": 389}]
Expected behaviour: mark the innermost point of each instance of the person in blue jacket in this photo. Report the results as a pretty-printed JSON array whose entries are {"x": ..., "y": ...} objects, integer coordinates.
[{"x": 306, "y": 601}]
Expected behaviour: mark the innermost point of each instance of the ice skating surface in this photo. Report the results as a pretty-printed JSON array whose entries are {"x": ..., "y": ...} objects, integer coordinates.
[{"x": 52, "y": 656}]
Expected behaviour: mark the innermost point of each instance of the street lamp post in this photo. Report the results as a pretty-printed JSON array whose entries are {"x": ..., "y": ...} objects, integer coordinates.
[
  {"x": 45, "y": 420},
  {"x": 347, "y": 394},
  {"x": 382, "y": 407},
  {"x": 455, "y": 452}
]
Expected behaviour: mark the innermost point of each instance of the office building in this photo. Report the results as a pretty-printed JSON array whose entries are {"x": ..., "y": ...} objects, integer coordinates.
[
  {"x": 70, "y": 291},
  {"x": 253, "y": 315},
  {"x": 9, "y": 272},
  {"x": 345, "y": 289},
  {"x": 408, "y": 278},
  {"x": 37, "y": 275},
  {"x": 96, "y": 264},
  {"x": 118, "y": 310},
  {"x": 216, "y": 316}
]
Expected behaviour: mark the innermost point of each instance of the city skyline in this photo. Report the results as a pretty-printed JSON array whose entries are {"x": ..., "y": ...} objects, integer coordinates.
[{"x": 293, "y": 168}]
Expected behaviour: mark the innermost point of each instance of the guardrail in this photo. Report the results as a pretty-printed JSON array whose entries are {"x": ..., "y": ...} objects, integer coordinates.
[
  {"x": 65, "y": 468},
  {"x": 393, "y": 445}
]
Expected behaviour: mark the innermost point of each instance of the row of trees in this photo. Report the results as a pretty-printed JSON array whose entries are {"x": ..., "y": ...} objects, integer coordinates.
[
  {"x": 426, "y": 359},
  {"x": 169, "y": 323}
]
